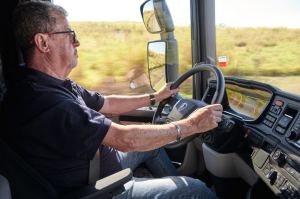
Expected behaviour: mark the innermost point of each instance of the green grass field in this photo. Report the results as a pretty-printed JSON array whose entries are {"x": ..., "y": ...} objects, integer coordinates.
[
  {"x": 260, "y": 51},
  {"x": 110, "y": 51}
]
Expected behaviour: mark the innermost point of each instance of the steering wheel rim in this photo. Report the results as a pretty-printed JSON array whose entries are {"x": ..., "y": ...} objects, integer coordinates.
[{"x": 217, "y": 98}]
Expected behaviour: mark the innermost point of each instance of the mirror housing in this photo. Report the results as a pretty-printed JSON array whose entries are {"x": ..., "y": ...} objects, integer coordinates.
[
  {"x": 156, "y": 16},
  {"x": 157, "y": 19}
]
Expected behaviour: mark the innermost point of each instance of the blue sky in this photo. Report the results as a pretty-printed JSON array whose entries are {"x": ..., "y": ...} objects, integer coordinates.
[{"x": 237, "y": 13}]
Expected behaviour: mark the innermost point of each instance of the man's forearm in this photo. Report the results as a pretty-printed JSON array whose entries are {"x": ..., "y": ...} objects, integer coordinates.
[
  {"x": 145, "y": 137},
  {"x": 148, "y": 137},
  {"x": 117, "y": 104}
]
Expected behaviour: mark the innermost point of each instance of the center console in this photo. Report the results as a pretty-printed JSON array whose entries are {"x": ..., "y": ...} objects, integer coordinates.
[{"x": 276, "y": 148}]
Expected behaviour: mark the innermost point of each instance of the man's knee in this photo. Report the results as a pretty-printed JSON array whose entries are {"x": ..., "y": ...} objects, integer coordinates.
[
  {"x": 193, "y": 188},
  {"x": 168, "y": 187},
  {"x": 188, "y": 182}
]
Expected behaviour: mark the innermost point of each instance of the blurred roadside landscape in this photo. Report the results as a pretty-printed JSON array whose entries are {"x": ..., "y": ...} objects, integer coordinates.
[{"x": 113, "y": 56}]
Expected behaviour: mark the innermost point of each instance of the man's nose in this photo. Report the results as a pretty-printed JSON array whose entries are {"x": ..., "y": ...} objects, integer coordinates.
[{"x": 76, "y": 43}]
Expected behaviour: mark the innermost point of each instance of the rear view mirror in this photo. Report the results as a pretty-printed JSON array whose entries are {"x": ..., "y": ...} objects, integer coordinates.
[
  {"x": 156, "y": 16},
  {"x": 149, "y": 17},
  {"x": 157, "y": 64}
]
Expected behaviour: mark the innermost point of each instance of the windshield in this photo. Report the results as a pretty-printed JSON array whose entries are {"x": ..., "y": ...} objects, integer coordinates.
[{"x": 260, "y": 40}]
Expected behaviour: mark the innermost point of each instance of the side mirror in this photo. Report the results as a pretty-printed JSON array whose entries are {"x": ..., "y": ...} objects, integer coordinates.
[
  {"x": 157, "y": 64},
  {"x": 149, "y": 17},
  {"x": 156, "y": 16}
]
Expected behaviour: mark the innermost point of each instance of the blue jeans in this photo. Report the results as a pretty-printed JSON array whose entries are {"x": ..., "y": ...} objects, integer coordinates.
[
  {"x": 159, "y": 164},
  {"x": 156, "y": 161}
]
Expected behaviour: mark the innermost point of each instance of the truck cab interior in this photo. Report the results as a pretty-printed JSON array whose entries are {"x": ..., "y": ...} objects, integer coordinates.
[{"x": 253, "y": 153}]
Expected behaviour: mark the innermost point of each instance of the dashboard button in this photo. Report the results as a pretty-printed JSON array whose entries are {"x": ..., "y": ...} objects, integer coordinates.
[
  {"x": 268, "y": 123},
  {"x": 280, "y": 157},
  {"x": 275, "y": 109},
  {"x": 279, "y": 103},
  {"x": 280, "y": 130},
  {"x": 272, "y": 119},
  {"x": 276, "y": 154},
  {"x": 285, "y": 121},
  {"x": 266, "y": 171},
  {"x": 272, "y": 176},
  {"x": 280, "y": 180}
]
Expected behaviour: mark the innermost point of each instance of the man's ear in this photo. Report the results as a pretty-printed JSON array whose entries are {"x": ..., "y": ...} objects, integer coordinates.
[{"x": 41, "y": 42}]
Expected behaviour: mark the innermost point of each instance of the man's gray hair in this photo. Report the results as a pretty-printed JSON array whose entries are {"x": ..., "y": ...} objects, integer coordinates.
[{"x": 34, "y": 17}]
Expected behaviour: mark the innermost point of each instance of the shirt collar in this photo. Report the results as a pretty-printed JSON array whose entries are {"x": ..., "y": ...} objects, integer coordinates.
[{"x": 40, "y": 77}]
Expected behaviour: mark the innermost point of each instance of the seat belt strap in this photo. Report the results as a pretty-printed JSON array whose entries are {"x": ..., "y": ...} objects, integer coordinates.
[{"x": 94, "y": 170}]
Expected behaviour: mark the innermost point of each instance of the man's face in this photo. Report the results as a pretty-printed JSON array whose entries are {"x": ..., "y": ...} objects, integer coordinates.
[{"x": 64, "y": 44}]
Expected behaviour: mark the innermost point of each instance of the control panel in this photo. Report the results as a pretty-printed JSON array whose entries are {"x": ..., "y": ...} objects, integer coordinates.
[
  {"x": 279, "y": 165},
  {"x": 284, "y": 121},
  {"x": 293, "y": 136},
  {"x": 273, "y": 113},
  {"x": 283, "y": 174}
]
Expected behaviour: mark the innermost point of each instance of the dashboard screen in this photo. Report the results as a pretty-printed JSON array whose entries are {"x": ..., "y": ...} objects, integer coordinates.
[{"x": 249, "y": 102}]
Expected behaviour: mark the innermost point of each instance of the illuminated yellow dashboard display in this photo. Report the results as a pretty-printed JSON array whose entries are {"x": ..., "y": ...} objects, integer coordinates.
[{"x": 250, "y": 102}]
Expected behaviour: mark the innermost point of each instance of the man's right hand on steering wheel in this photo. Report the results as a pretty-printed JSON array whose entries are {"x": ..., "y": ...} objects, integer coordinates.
[
  {"x": 206, "y": 118},
  {"x": 201, "y": 120}
]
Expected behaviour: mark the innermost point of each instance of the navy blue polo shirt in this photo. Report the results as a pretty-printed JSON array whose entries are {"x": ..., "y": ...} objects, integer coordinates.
[{"x": 55, "y": 125}]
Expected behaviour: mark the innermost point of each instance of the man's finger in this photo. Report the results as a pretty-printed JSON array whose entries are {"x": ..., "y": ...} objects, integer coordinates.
[
  {"x": 219, "y": 119},
  {"x": 218, "y": 113}
]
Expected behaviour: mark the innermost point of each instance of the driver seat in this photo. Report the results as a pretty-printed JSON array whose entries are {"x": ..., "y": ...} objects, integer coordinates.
[{"x": 25, "y": 182}]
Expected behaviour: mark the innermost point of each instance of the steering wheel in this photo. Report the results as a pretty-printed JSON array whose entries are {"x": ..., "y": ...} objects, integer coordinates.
[{"x": 177, "y": 108}]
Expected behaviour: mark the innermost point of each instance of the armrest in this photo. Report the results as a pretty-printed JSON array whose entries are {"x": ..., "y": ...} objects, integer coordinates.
[
  {"x": 105, "y": 187},
  {"x": 114, "y": 181}
]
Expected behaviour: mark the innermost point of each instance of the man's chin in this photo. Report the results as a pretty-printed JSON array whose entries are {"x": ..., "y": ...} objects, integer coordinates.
[
  {"x": 75, "y": 62},
  {"x": 74, "y": 65}
]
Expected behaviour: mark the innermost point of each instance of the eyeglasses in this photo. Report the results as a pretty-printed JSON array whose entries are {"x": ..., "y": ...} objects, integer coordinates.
[{"x": 72, "y": 32}]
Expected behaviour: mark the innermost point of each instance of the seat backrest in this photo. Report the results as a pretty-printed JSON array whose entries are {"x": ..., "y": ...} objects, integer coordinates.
[
  {"x": 4, "y": 188},
  {"x": 4, "y": 185},
  {"x": 24, "y": 181}
]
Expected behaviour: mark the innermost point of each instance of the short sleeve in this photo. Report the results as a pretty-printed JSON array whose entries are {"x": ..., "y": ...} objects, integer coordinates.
[{"x": 93, "y": 99}]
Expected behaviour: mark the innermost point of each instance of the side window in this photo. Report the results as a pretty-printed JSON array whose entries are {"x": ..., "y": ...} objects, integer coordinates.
[
  {"x": 255, "y": 42},
  {"x": 113, "y": 44}
]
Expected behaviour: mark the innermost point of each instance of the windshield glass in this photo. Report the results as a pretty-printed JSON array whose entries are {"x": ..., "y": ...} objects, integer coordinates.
[{"x": 260, "y": 40}]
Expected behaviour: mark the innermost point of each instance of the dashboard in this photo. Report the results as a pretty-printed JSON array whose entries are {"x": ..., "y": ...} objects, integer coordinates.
[{"x": 269, "y": 121}]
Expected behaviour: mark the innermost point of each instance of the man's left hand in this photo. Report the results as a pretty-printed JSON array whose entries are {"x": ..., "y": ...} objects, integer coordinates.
[{"x": 165, "y": 92}]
